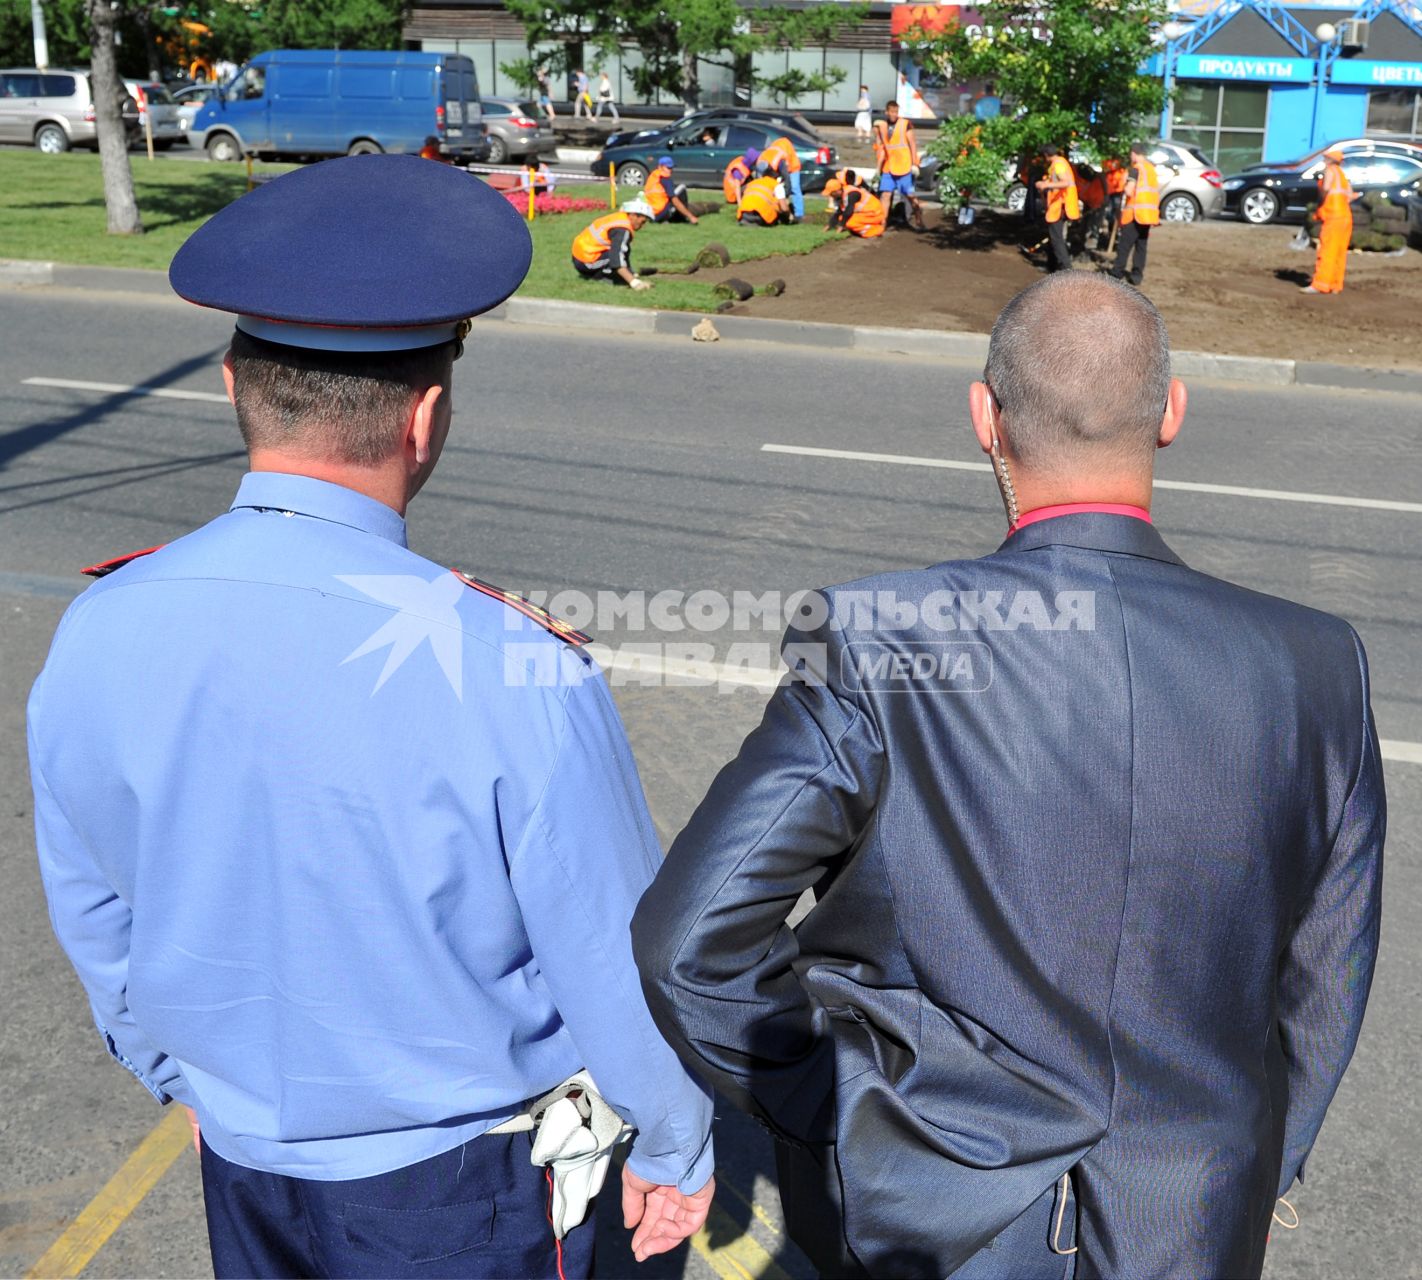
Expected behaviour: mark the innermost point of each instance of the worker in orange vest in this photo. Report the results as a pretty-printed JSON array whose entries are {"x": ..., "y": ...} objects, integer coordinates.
[
  {"x": 1140, "y": 211},
  {"x": 781, "y": 160},
  {"x": 855, "y": 209},
  {"x": 763, "y": 202},
  {"x": 1063, "y": 203},
  {"x": 896, "y": 149},
  {"x": 1114, "y": 173},
  {"x": 431, "y": 151},
  {"x": 1335, "y": 225},
  {"x": 668, "y": 200},
  {"x": 603, "y": 249},
  {"x": 737, "y": 174},
  {"x": 1091, "y": 186}
]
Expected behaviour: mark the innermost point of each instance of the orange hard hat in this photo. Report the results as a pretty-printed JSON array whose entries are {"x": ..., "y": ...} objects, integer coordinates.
[
  {"x": 1334, "y": 153},
  {"x": 833, "y": 185}
]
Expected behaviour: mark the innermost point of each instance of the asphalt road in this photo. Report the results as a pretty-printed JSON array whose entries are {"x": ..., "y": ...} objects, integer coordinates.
[{"x": 607, "y": 463}]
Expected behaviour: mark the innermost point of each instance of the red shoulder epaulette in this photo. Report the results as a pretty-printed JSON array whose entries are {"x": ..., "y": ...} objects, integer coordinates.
[
  {"x": 106, "y": 567},
  {"x": 530, "y": 610}
]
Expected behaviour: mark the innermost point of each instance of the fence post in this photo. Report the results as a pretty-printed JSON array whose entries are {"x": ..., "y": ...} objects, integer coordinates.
[
  {"x": 611, "y": 190},
  {"x": 247, "y": 156},
  {"x": 532, "y": 189}
]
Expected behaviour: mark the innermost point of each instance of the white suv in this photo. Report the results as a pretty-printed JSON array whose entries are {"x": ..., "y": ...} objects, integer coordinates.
[{"x": 52, "y": 109}]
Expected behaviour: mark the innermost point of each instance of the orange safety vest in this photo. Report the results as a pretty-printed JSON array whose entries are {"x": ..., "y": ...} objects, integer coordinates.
[
  {"x": 1065, "y": 200},
  {"x": 758, "y": 196},
  {"x": 1335, "y": 192},
  {"x": 1093, "y": 193},
  {"x": 1115, "y": 173},
  {"x": 780, "y": 153},
  {"x": 594, "y": 241},
  {"x": 737, "y": 172},
  {"x": 868, "y": 218},
  {"x": 894, "y": 147},
  {"x": 1144, "y": 206},
  {"x": 655, "y": 190}
]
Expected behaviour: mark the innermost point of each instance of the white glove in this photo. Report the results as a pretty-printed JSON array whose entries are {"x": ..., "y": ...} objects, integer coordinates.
[
  {"x": 639, "y": 284},
  {"x": 915, "y": 171}
]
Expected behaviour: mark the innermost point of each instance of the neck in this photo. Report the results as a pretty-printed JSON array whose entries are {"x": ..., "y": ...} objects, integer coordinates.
[
  {"x": 1125, "y": 490},
  {"x": 385, "y": 481}
]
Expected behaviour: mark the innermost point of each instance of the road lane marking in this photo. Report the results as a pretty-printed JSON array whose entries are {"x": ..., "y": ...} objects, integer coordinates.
[
  {"x": 1187, "y": 486},
  {"x": 123, "y": 389},
  {"x": 765, "y": 1219},
  {"x": 118, "y": 1198},
  {"x": 1401, "y": 752},
  {"x": 741, "y": 1257}
]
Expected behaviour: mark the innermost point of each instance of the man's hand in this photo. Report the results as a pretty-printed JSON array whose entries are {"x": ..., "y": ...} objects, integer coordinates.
[
  {"x": 639, "y": 284},
  {"x": 663, "y": 1216},
  {"x": 197, "y": 1133}
]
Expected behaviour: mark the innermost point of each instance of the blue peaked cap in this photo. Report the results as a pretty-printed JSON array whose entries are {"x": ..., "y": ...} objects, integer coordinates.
[{"x": 362, "y": 253}]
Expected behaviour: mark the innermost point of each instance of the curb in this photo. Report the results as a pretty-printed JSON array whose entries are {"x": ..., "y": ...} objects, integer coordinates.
[{"x": 945, "y": 345}]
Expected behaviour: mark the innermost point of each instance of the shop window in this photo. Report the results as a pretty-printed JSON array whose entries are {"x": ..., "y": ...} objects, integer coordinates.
[
  {"x": 1225, "y": 121},
  {"x": 1394, "y": 113}
]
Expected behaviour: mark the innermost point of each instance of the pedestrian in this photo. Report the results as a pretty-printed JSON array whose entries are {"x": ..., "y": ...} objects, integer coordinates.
[
  {"x": 1095, "y": 845},
  {"x": 606, "y": 98},
  {"x": 1063, "y": 204},
  {"x": 763, "y": 203},
  {"x": 603, "y": 249},
  {"x": 536, "y": 176},
  {"x": 1140, "y": 211},
  {"x": 666, "y": 198},
  {"x": 855, "y": 210},
  {"x": 1114, "y": 173},
  {"x": 779, "y": 159},
  {"x": 863, "y": 116},
  {"x": 345, "y": 845},
  {"x": 432, "y": 149},
  {"x": 988, "y": 106},
  {"x": 582, "y": 99},
  {"x": 737, "y": 174},
  {"x": 545, "y": 93},
  {"x": 896, "y": 150},
  {"x": 1335, "y": 225}
]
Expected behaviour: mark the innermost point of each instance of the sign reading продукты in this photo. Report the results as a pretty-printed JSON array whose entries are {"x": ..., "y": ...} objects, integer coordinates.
[{"x": 1206, "y": 66}]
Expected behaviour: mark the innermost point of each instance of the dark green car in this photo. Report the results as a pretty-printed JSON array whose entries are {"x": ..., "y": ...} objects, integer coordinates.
[{"x": 701, "y": 162}]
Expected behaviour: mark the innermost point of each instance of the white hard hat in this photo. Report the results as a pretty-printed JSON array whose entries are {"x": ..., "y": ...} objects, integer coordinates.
[{"x": 638, "y": 205}]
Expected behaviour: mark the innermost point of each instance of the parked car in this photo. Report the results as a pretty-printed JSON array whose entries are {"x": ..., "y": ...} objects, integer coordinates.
[
  {"x": 324, "y": 102},
  {"x": 52, "y": 109},
  {"x": 779, "y": 120},
  {"x": 702, "y": 164},
  {"x": 1348, "y": 146},
  {"x": 189, "y": 100},
  {"x": 156, "y": 102},
  {"x": 1268, "y": 194},
  {"x": 516, "y": 129},
  {"x": 1191, "y": 187}
]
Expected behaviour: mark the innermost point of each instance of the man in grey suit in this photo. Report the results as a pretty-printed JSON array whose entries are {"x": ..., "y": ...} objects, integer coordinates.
[{"x": 1096, "y": 847}]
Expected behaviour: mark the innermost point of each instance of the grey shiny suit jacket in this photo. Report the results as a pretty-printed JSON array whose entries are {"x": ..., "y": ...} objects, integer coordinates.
[{"x": 1102, "y": 899}]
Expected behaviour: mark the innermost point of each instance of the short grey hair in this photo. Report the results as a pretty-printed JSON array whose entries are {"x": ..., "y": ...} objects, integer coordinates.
[{"x": 1080, "y": 368}]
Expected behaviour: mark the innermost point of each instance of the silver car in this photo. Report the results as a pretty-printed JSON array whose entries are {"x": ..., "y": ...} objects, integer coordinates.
[
  {"x": 190, "y": 99},
  {"x": 1191, "y": 187},
  {"x": 155, "y": 102},
  {"x": 52, "y": 109}
]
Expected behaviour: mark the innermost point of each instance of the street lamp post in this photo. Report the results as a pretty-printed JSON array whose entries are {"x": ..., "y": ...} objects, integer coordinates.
[
  {"x": 41, "y": 40},
  {"x": 1327, "y": 34},
  {"x": 1172, "y": 31}
]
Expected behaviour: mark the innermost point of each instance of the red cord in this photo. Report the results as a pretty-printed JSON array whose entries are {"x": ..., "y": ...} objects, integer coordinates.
[{"x": 557, "y": 1244}]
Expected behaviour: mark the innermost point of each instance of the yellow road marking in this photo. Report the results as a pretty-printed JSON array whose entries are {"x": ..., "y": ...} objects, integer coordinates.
[
  {"x": 120, "y": 1196},
  {"x": 741, "y": 1257},
  {"x": 766, "y": 1220}
]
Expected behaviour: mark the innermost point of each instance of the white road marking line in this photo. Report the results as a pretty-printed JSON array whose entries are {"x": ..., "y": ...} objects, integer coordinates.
[
  {"x": 676, "y": 672},
  {"x": 119, "y": 388},
  {"x": 1189, "y": 486}
]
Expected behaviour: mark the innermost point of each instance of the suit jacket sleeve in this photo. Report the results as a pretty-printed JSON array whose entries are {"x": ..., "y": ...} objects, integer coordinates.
[
  {"x": 710, "y": 935},
  {"x": 1328, "y": 967}
]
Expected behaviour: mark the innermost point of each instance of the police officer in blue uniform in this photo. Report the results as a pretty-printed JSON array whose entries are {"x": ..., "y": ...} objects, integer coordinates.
[{"x": 344, "y": 845}]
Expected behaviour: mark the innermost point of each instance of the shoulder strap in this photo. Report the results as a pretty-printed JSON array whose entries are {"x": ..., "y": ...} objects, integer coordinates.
[
  {"x": 555, "y": 626},
  {"x": 106, "y": 567}
]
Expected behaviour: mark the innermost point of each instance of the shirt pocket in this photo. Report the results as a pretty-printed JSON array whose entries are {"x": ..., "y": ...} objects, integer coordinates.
[{"x": 419, "y": 1235}]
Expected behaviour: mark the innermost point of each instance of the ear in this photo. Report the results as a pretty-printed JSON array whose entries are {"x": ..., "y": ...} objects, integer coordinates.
[
  {"x": 227, "y": 380},
  {"x": 419, "y": 431},
  {"x": 1174, "y": 414},
  {"x": 982, "y": 408}
]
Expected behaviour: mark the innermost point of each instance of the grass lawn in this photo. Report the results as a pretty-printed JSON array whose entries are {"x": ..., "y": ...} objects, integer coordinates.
[{"x": 52, "y": 209}]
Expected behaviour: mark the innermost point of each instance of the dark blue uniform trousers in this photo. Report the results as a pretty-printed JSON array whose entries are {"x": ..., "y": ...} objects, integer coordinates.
[{"x": 480, "y": 1210}]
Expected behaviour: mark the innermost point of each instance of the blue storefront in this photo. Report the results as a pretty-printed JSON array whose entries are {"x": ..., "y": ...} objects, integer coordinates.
[{"x": 1254, "y": 80}]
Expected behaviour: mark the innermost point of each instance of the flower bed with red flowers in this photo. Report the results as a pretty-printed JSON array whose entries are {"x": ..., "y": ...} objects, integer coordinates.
[{"x": 551, "y": 203}]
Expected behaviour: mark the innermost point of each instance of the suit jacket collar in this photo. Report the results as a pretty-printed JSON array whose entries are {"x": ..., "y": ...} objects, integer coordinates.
[{"x": 1094, "y": 531}]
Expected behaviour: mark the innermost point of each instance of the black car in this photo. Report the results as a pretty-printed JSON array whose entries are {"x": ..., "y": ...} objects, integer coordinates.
[
  {"x": 1268, "y": 193},
  {"x": 702, "y": 163},
  {"x": 784, "y": 121}
]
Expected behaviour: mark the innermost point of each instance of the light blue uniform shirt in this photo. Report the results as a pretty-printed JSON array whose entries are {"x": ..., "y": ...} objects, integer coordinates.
[{"x": 344, "y": 851}]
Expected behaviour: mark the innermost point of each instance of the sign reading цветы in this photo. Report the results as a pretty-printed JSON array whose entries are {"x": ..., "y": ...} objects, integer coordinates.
[
  {"x": 1363, "y": 71},
  {"x": 1209, "y": 66}
]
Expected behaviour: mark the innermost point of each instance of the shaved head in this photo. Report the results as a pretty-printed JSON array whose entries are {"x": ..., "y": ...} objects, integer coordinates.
[{"x": 1080, "y": 367}]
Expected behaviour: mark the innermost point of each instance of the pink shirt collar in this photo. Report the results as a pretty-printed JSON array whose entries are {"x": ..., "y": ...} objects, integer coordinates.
[{"x": 1077, "y": 508}]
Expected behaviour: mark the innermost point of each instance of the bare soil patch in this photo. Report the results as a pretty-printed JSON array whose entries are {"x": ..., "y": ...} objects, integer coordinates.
[{"x": 1222, "y": 286}]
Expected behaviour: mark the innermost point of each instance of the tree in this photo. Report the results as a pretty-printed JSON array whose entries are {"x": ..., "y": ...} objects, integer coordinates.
[
  {"x": 676, "y": 35},
  {"x": 109, "y": 95},
  {"x": 1072, "y": 77}
]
